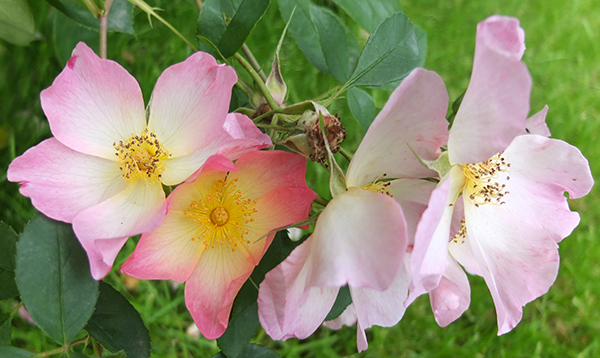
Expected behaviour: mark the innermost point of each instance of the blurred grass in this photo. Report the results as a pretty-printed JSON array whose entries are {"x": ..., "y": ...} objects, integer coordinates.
[{"x": 563, "y": 55}]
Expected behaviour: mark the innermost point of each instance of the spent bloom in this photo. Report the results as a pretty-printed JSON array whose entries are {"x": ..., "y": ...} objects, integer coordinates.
[
  {"x": 362, "y": 236},
  {"x": 499, "y": 210},
  {"x": 218, "y": 227},
  {"x": 105, "y": 167}
]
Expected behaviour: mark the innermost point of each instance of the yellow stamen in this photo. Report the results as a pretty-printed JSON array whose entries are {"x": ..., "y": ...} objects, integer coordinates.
[
  {"x": 481, "y": 185},
  {"x": 460, "y": 236},
  {"x": 378, "y": 186},
  {"x": 222, "y": 216},
  {"x": 141, "y": 157}
]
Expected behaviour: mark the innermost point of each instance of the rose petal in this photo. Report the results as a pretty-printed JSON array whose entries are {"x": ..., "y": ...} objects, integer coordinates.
[
  {"x": 247, "y": 137},
  {"x": 536, "y": 124},
  {"x": 347, "y": 318},
  {"x": 190, "y": 102},
  {"x": 451, "y": 298},
  {"x": 413, "y": 196},
  {"x": 413, "y": 117},
  {"x": 102, "y": 254},
  {"x": 93, "y": 103},
  {"x": 359, "y": 239},
  {"x": 62, "y": 182},
  {"x": 496, "y": 103}
]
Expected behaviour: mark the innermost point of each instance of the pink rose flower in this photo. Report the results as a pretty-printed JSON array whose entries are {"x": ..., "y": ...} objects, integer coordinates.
[{"x": 104, "y": 169}]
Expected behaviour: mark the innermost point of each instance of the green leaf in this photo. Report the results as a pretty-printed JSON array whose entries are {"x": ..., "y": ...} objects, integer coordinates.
[
  {"x": 53, "y": 276},
  {"x": 253, "y": 351},
  {"x": 389, "y": 55},
  {"x": 369, "y": 14},
  {"x": 67, "y": 33},
  {"x": 13, "y": 352},
  {"x": 342, "y": 301},
  {"x": 5, "y": 328},
  {"x": 362, "y": 106},
  {"x": 117, "y": 325},
  {"x": 120, "y": 16},
  {"x": 16, "y": 22},
  {"x": 8, "y": 243},
  {"x": 227, "y": 23},
  {"x": 332, "y": 39}
]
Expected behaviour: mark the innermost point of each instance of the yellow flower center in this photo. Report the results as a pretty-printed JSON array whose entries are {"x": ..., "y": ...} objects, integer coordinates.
[
  {"x": 141, "y": 157},
  {"x": 378, "y": 186},
  {"x": 482, "y": 181},
  {"x": 222, "y": 216}
]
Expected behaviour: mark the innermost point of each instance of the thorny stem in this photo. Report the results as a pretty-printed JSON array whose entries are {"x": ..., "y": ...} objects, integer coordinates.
[
  {"x": 104, "y": 28},
  {"x": 253, "y": 62},
  {"x": 150, "y": 11},
  {"x": 259, "y": 82},
  {"x": 63, "y": 349},
  {"x": 346, "y": 154}
]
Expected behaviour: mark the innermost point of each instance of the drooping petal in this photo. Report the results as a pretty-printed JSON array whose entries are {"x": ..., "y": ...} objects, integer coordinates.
[
  {"x": 536, "y": 124},
  {"x": 347, "y": 318},
  {"x": 102, "y": 254},
  {"x": 542, "y": 169},
  {"x": 413, "y": 117},
  {"x": 518, "y": 259},
  {"x": 247, "y": 137},
  {"x": 413, "y": 196},
  {"x": 93, "y": 103},
  {"x": 190, "y": 102},
  {"x": 169, "y": 252},
  {"x": 137, "y": 209},
  {"x": 62, "y": 182},
  {"x": 451, "y": 298},
  {"x": 212, "y": 287},
  {"x": 496, "y": 103},
  {"x": 359, "y": 239},
  {"x": 429, "y": 257},
  {"x": 286, "y": 306},
  {"x": 382, "y": 308}
]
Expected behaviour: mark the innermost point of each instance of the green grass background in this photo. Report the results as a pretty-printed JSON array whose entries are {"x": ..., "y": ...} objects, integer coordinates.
[{"x": 563, "y": 56}]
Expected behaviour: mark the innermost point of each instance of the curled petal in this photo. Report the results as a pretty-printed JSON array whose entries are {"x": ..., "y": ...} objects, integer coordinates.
[
  {"x": 62, "y": 182},
  {"x": 247, "y": 137},
  {"x": 496, "y": 103},
  {"x": 359, "y": 239},
  {"x": 536, "y": 124},
  {"x": 451, "y": 298},
  {"x": 347, "y": 318},
  {"x": 413, "y": 117},
  {"x": 102, "y": 254},
  {"x": 190, "y": 102},
  {"x": 429, "y": 257},
  {"x": 286, "y": 306},
  {"x": 93, "y": 103}
]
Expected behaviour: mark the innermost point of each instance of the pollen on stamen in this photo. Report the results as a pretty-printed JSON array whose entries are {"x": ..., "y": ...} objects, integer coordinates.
[
  {"x": 482, "y": 184},
  {"x": 141, "y": 157},
  {"x": 460, "y": 236},
  {"x": 378, "y": 186},
  {"x": 222, "y": 216}
]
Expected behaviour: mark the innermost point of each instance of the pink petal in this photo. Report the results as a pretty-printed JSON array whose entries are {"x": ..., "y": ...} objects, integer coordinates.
[
  {"x": 496, "y": 103},
  {"x": 102, "y": 254},
  {"x": 542, "y": 169},
  {"x": 413, "y": 117},
  {"x": 347, "y": 318},
  {"x": 429, "y": 257},
  {"x": 181, "y": 168},
  {"x": 62, "y": 182},
  {"x": 286, "y": 306},
  {"x": 137, "y": 209},
  {"x": 168, "y": 252},
  {"x": 93, "y": 103},
  {"x": 190, "y": 102},
  {"x": 359, "y": 239},
  {"x": 451, "y": 298},
  {"x": 519, "y": 261},
  {"x": 382, "y": 308},
  {"x": 212, "y": 287},
  {"x": 536, "y": 124},
  {"x": 247, "y": 137},
  {"x": 413, "y": 196}
]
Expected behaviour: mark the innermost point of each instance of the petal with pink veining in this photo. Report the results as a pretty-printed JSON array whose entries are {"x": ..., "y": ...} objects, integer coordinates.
[
  {"x": 359, "y": 239},
  {"x": 496, "y": 103},
  {"x": 62, "y": 182},
  {"x": 93, "y": 103},
  {"x": 190, "y": 102},
  {"x": 413, "y": 117}
]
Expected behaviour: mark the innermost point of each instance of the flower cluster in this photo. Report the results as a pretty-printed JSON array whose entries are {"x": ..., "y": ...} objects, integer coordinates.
[{"x": 417, "y": 202}]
